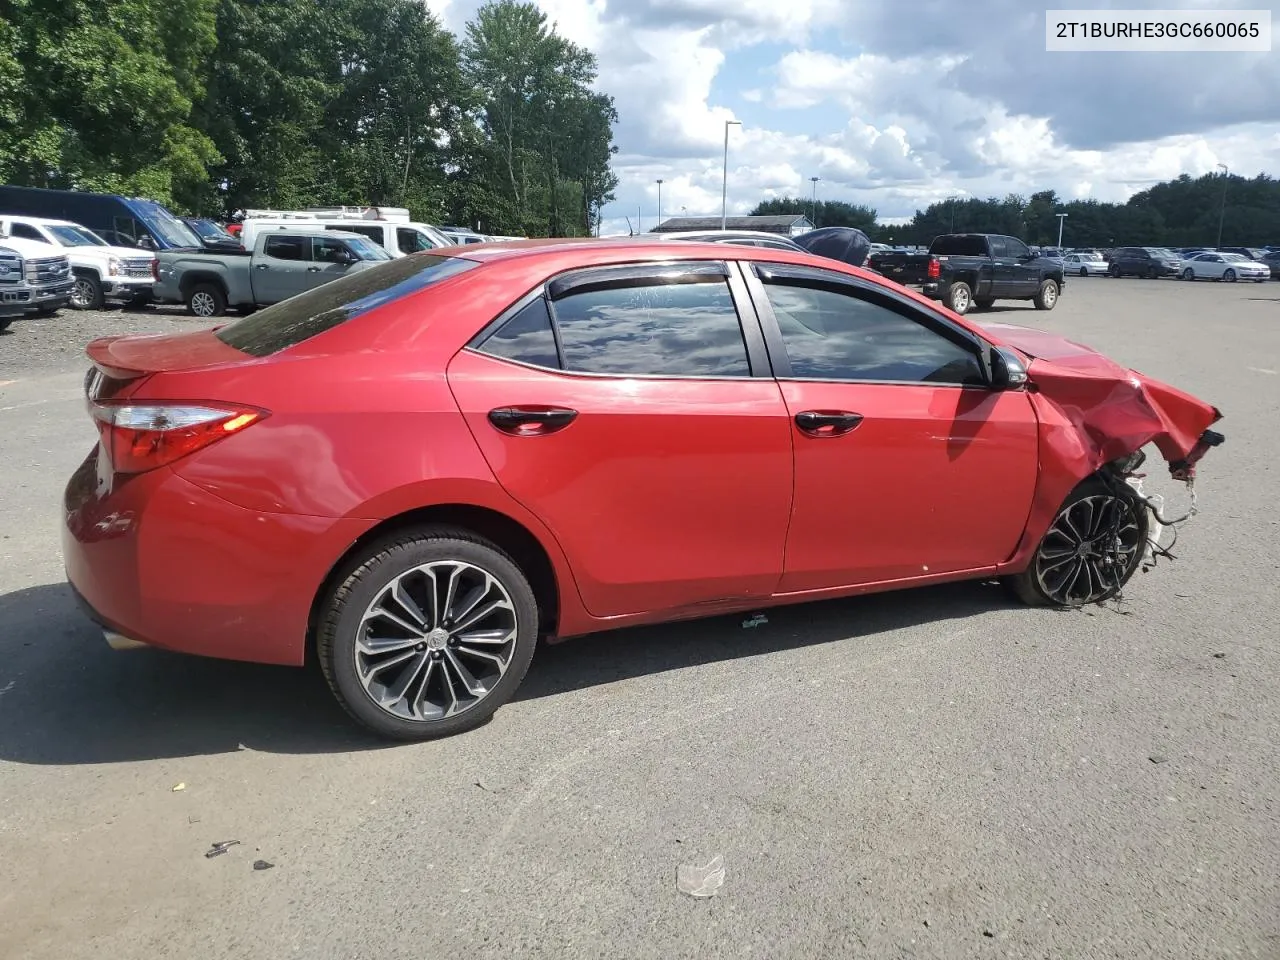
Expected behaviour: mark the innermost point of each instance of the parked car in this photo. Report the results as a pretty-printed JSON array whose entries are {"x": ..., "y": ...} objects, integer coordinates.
[
  {"x": 399, "y": 237},
  {"x": 1085, "y": 264},
  {"x": 461, "y": 235},
  {"x": 1148, "y": 262},
  {"x": 413, "y": 474},
  {"x": 213, "y": 236},
  {"x": 964, "y": 270},
  {"x": 749, "y": 238},
  {"x": 282, "y": 263},
  {"x": 35, "y": 277},
  {"x": 100, "y": 272},
  {"x": 1249, "y": 253},
  {"x": 1224, "y": 266},
  {"x": 1272, "y": 260},
  {"x": 120, "y": 221}
]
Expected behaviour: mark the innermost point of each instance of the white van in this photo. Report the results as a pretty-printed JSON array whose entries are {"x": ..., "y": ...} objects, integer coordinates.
[
  {"x": 389, "y": 227},
  {"x": 102, "y": 272}
]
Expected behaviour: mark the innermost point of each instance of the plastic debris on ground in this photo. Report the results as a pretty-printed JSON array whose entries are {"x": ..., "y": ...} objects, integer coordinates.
[
  {"x": 177, "y": 787},
  {"x": 262, "y": 865},
  {"x": 221, "y": 847},
  {"x": 701, "y": 882},
  {"x": 758, "y": 620}
]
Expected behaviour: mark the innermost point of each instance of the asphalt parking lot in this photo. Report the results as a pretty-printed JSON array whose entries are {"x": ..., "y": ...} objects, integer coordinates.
[{"x": 932, "y": 774}]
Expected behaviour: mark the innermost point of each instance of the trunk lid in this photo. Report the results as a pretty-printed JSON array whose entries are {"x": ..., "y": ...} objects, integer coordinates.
[{"x": 132, "y": 356}]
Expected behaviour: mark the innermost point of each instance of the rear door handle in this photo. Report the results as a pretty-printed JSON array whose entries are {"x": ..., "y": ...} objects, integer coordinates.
[
  {"x": 262, "y": 266},
  {"x": 531, "y": 421},
  {"x": 827, "y": 423},
  {"x": 313, "y": 269}
]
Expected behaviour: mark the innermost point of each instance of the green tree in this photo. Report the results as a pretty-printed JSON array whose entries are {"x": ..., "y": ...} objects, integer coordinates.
[
  {"x": 103, "y": 91},
  {"x": 826, "y": 213}
]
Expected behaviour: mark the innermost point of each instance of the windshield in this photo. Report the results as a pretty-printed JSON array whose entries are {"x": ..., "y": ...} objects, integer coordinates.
[
  {"x": 209, "y": 230},
  {"x": 76, "y": 237},
  {"x": 165, "y": 225},
  {"x": 434, "y": 235},
  {"x": 322, "y": 308},
  {"x": 366, "y": 249},
  {"x": 1162, "y": 253}
]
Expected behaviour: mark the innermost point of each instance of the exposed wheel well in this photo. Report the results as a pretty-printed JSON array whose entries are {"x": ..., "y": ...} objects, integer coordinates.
[
  {"x": 504, "y": 532},
  {"x": 189, "y": 281}
]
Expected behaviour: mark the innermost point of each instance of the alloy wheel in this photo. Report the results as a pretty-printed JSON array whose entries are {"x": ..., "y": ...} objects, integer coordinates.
[
  {"x": 202, "y": 304},
  {"x": 435, "y": 641},
  {"x": 82, "y": 293},
  {"x": 1090, "y": 550},
  {"x": 960, "y": 301},
  {"x": 1188, "y": 274},
  {"x": 1050, "y": 294}
]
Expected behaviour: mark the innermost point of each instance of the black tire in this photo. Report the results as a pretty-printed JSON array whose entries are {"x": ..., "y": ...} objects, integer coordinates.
[
  {"x": 1188, "y": 274},
  {"x": 960, "y": 298},
  {"x": 1084, "y": 271},
  {"x": 1229, "y": 275},
  {"x": 1113, "y": 271},
  {"x": 4, "y": 323},
  {"x": 370, "y": 575},
  {"x": 985, "y": 303},
  {"x": 206, "y": 300},
  {"x": 1047, "y": 296},
  {"x": 1035, "y": 585},
  {"x": 1153, "y": 273},
  {"x": 87, "y": 292}
]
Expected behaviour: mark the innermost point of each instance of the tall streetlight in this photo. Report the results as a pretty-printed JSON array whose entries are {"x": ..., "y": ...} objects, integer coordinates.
[
  {"x": 724, "y": 185},
  {"x": 813, "y": 205},
  {"x": 1061, "y": 217},
  {"x": 1222, "y": 209},
  {"x": 659, "y": 203}
]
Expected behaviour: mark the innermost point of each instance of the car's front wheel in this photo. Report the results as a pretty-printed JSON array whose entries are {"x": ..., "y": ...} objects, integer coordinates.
[
  {"x": 86, "y": 292},
  {"x": 1229, "y": 276},
  {"x": 1188, "y": 274},
  {"x": 1084, "y": 271},
  {"x": 1091, "y": 549},
  {"x": 428, "y": 634}
]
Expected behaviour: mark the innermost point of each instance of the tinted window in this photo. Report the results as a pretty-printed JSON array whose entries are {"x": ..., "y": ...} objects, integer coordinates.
[
  {"x": 412, "y": 241},
  {"x": 286, "y": 248},
  {"x": 998, "y": 247},
  {"x": 671, "y": 330},
  {"x": 1016, "y": 247},
  {"x": 329, "y": 250},
  {"x": 838, "y": 336},
  {"x": 294, "y": 320},
  {"x": 959, "y": 246},
  {"x": 526, "y": 337},
  {"x": 373, "y": 233},
  {"x": 25, "y": 231}
]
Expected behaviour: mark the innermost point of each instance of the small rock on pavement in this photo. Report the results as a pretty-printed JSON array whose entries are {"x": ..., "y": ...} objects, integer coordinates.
[
  {"x": 1158, "y": 758},
  {"x": 1219, "y": 656},
  {"x": 262, "y": 865}
]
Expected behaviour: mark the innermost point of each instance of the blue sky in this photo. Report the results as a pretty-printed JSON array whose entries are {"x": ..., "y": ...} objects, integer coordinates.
[{"x": 895, "y": 113}]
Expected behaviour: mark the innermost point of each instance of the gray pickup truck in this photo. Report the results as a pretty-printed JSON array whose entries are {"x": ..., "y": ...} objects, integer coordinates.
[{"x": 282, "y": 264}]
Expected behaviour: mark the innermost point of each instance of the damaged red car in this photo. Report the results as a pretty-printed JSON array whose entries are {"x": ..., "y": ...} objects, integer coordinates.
[{"x": 415, "y": 473}]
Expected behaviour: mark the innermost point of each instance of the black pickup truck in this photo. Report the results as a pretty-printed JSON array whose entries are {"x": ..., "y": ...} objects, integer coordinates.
[{"x": 964, "y": 270}]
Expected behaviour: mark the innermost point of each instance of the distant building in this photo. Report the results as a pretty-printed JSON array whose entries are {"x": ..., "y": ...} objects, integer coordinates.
[{"x": 787, "y": 225}]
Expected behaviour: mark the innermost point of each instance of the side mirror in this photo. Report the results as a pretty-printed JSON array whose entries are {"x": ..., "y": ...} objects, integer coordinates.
[
  {"x": 1007, "y": 370},
  {"x": 146, "y": 243}
]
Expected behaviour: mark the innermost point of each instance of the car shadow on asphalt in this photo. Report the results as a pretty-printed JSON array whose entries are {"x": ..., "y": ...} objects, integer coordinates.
[{"x": 66, "y": 698}]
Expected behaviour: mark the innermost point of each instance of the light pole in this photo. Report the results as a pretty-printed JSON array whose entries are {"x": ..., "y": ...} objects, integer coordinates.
[
  {"x": 813, "y": 205},
  {"x": 1061, "y": 217},
  {"x": 724, "y": 185},
  {"x": 1222, "y": 209},
  {"x": 659, "y": 203}
]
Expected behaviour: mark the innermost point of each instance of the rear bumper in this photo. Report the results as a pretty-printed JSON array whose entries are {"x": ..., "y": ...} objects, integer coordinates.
[{"x": 164, "y": 563}]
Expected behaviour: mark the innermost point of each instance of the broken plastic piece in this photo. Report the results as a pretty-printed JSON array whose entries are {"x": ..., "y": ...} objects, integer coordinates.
[
  {"x": 701, "y": 882},
  {"x": 262, "y": 865},
  {"x": 220, "y": 848},
  {"x": 755, "y": 621},
  {"x": 178, "y": 786}
]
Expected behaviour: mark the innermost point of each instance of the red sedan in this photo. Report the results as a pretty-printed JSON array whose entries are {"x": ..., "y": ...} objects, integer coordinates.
[{"x": 417, "y": 472}]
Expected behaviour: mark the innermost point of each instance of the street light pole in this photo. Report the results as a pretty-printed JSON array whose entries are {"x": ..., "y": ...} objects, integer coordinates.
[
  {"x": 724, "y": 184},
  {"x": 1222, "y": 209},
  {"x": 1061, "y": 218},
  {"x": 813, "y": 205},
  {"x": 659, "y": 203}
]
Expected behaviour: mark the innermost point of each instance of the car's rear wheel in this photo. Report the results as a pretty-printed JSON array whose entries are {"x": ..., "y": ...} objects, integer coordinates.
[
  {"x": 960, "y": 298},
  {"x": 1188, "y": 274},
  {"x": 4, "y": 323},
  {"x": 1047, "y": 297},
  {"x": 427, "y": 634},
  {"x": 1084, "y": 271},
  {"x": 1113, "y": 271},
  {"x": 1229, "y": 276},
  {"x": 1091, "y": 549},
  {"x": 206, "y": 300},
  {"x": 1153, "y": 273}
]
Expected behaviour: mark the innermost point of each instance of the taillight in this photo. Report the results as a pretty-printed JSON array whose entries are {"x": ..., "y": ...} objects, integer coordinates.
[
  {"x": 143, "y": 436},
  {"x": 935, "y": 268}
]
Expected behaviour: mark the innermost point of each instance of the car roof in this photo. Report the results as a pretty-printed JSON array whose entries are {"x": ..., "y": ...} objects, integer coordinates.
[
  {"x": 42, "y": 221},
  {"x": 312, "y": 231}
]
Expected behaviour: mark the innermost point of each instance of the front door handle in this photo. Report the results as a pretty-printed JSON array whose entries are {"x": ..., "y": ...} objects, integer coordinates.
[
  {"x": 263, "y": 266},
  {"x": 827, "y": 423},
  {"x": 531, "y": 421},
  {"x": 313, "y": 269}
]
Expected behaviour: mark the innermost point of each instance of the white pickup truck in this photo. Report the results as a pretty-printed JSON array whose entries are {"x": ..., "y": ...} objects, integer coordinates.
[
  {"x": 281, "y": 264},
  {"x": 34, "y": 278},
  {"x": 100, "y": 272}
]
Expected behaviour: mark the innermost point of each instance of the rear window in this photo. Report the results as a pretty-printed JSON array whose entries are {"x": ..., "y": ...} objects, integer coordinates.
[
  {"x": 959, "y": 247},
  {"x": 300, "y": 318}
]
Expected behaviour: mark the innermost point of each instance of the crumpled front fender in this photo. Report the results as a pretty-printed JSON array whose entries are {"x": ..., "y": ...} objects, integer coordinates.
[{"x": 1093, "y": 411}]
